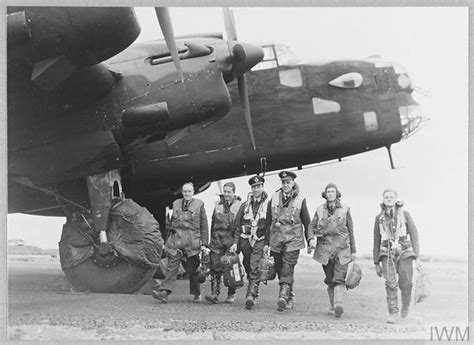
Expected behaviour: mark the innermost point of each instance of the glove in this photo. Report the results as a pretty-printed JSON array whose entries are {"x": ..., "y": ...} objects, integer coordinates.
[
  {"x": 233, "y": 248},
  {"x": 378, "y": 270},
  {"x": 205, "y": 250}
]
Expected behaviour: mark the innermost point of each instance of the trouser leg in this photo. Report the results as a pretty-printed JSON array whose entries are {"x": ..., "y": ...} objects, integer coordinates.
[
  {"x": 391, "y": 284},
  {"x": 194, "y": 285},
  {"x": 171, "y": 273},
  {"x": 278, "y": 259},
  {"x": 289, "y": 261},
  {"x": 246, "y": 250},
  {"x": 329, "y": 273},
  {"x": 405, "y": 276},
  {"x": 255, "y": 256},
  {"x": 335, "y": 279},
  {"x": 216, "y": 265}
]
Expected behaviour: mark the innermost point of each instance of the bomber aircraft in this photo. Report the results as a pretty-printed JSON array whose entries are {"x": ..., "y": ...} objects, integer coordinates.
[{"x": 92, "y": 116}]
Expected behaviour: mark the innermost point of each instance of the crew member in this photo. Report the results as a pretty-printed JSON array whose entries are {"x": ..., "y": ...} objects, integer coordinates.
[
  {"x": 222, "y": 238},
  {"x": 395, "y": 248},
  {"x": 252, "y": 223},
  {"x": 188, "y": 236},
  {"x": 335, "y": 249},
  {"x": 287, "y": 236}
]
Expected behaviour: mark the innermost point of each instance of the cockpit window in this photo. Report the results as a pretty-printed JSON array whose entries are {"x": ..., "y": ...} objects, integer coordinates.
[
  {"x": 290, "y": 77},
  {"x": 348, "y": 81},
  {"x": 268, "y": 53},
  {"x": 285, "y": 56},
  {"x": 399, "y": 69},
  {"x": 276, "y": 55}
]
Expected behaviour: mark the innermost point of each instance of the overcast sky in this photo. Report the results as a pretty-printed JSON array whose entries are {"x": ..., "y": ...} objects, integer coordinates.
[{"x": 431, "y": 43}]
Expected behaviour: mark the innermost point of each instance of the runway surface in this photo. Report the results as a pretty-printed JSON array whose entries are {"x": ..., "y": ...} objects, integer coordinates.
[{"x": 37, "y": 311}]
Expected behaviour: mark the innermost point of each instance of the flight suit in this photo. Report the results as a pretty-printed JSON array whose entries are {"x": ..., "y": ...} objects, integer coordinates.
[
  {"x": 222, "y": 238},
  {"x": 395, "y": 247},
  {"x": 189, "y": 230},
  {"x": 290, "y": 220},
  {"x": 333, "y": 228},
  {"x": 252, "y": 223}
]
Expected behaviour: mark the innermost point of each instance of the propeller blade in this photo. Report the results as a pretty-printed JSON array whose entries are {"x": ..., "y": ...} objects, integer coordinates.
[
  {"x": 219, "y": 185},
  {"x": 164, "y": 18},
  {"x": 244, "y": 100},
  {"x": 229, "y": 24}
]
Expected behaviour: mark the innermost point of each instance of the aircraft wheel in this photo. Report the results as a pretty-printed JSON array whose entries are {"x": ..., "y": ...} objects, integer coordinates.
[{"x": 123, "y": 277}]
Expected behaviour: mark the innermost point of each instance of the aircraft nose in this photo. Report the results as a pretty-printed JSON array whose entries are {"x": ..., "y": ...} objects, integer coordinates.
[
  {"x": 244, "y": 57},
  {"x": 412, "y": 119}
]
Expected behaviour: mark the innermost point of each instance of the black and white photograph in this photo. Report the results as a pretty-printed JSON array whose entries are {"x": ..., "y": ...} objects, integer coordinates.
[{"x": 236, "y": 172}]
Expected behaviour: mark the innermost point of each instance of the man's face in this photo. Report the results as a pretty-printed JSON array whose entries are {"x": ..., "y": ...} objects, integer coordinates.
[
  {"x": 188, "y": 192},
  {"x": 257, "y": 190},
  {"x": 331, "y": 194},
  {"x": 389, "y": 199},
  {"x": 287, "y": 185},
  {"x": 228, "y": 193}
]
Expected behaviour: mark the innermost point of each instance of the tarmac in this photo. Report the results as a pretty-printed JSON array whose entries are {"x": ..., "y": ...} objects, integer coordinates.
[{"x": 36, "y": 311}]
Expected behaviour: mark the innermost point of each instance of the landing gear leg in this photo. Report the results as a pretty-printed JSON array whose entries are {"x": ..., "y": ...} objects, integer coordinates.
[{"x": 104, "y": 271}]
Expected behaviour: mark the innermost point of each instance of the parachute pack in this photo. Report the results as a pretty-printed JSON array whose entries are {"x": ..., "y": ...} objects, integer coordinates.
[
  {"x": 422, "y": 287},
  {"x": 266, "y": 269},
  {"x": 232, "y": 271}
]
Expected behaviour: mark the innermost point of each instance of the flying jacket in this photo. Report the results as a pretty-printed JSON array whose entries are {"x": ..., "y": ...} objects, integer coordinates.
[
  {"x": 223, "y": 223},
  {"x": 399, "y": 233},
  {"x": 335, "y": 234},
  {"x": 189, "y": 229},
  {"x": 288, "y": 219}
]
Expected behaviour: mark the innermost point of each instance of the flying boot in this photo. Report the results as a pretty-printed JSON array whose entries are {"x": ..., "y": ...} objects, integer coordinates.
[
  {"x": 406, "y": 297},
  {"x": 257, "y": 293},
  {"x": 291, "y": 298},
  {"x": 283, "y": 296},
  {"x": 215, "y": 289},
  {"x": 250, "y": 296},
  {"x": 331, "y": 300},
  {"x": 392, "y": 303},
  {"x": 338, "y": 305}
]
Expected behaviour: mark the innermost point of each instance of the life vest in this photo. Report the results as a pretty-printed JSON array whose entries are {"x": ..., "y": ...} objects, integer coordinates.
[
  {"x": 225, "y": 220},
  {"x": 392, "y": 229},
  {"x": 286, "y": 229},
  {"x": 185, "y": 229},
  {"x": 394, "y": 235},
  {"x": 253, "y": 225}
]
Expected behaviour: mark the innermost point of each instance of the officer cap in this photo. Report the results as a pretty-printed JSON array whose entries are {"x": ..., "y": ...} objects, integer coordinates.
[
  {"x": 287, "y": 175},
  {"x": 256, "y": 180}
]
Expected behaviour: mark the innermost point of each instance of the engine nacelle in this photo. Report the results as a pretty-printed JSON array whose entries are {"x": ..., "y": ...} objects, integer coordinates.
[{"x": 83, "y": 35}]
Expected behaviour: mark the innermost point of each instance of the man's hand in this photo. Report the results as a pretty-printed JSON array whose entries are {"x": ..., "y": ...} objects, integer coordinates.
[
  {"x": 205, "y": 250},
  {"x": 418, "y": 264},
  {"x": 233, "y": 248},
  {"x": 266, "y": 250},
  {"x": 311, "y": 245},
  {"x": 378, "y": 270}
]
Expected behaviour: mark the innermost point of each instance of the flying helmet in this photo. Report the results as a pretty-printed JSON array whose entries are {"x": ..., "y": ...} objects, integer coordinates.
[{"x": 353, "y": 276}]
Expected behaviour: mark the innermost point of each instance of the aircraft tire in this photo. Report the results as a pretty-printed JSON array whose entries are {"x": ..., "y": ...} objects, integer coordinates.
[{"x": 123, "y": 278}]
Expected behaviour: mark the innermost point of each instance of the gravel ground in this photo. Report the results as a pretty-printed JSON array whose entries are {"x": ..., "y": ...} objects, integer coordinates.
[{"x": 37, "y": 311}]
